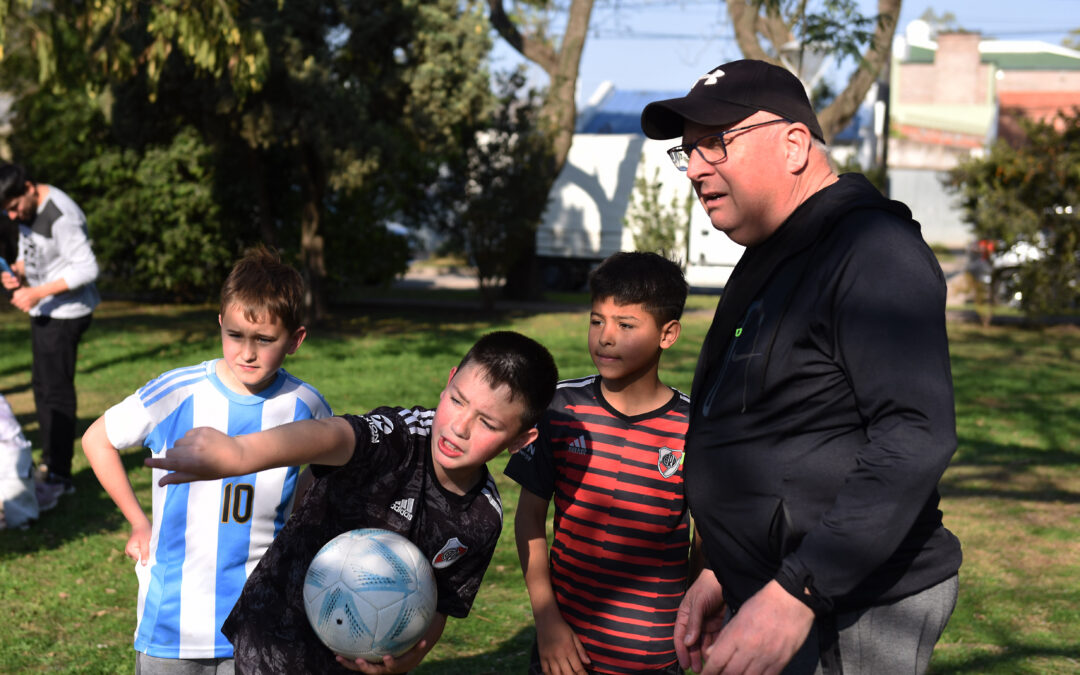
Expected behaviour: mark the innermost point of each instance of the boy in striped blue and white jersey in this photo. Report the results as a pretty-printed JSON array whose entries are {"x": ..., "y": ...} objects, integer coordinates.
[{"x": 204, "y": 540}]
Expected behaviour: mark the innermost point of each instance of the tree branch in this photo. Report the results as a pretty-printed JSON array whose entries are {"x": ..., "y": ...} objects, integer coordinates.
[
  {"x": 744, "y": 19},
  {"x": 839, "y": 113},
  {"x": 538, "y": 51}
]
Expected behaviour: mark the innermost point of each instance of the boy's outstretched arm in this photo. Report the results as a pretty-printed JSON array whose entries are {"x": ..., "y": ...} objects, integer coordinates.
[
  {"x": 561, "y": 652},
  {"x": 204, "y": 453},
  {"x": 105, "y": 461},
  {"x": 408, "y": 660}
]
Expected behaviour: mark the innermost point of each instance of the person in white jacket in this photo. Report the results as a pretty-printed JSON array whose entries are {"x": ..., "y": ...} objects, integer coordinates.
[
  {"x": 18, "y": 503},
  {"x": 53, "y": 281}
]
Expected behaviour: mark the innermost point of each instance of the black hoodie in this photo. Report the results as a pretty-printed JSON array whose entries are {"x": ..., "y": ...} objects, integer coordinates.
[{"x": 822, "y": 410}]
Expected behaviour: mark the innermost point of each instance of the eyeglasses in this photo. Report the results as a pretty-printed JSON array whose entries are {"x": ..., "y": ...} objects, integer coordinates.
[{"x": 711, "y": 148}]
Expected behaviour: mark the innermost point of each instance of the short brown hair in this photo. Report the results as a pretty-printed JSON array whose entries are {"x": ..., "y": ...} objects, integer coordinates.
[{"x": 261, "y": 284}]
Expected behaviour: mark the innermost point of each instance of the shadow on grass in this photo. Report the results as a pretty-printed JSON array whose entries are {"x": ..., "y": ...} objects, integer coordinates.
[
  {"x": 87, "y": 512},
  {"x": 192, "y": 328},
  {"x": 509, "y": 656},
  {"x": 990, "y": 470},
  {"x": 1008, "y": 656}
]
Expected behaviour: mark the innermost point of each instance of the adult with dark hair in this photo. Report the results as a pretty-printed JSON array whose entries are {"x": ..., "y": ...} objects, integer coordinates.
[
  {"x": 822, "y": 405},
  {"x": 53, "y": 282}
]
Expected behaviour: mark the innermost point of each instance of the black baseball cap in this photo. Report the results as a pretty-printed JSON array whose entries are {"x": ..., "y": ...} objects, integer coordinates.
[{"x": 730, "y": 93}]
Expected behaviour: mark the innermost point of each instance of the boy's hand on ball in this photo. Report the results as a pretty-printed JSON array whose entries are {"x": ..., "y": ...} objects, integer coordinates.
[
  {"x": 201, "y": 454},
  {"x": 390, "y": 664}
]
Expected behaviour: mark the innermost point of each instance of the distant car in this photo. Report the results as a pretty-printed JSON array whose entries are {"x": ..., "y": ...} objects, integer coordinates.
[
  {"x": 992, "y": 263},
  {"x": 411, "y": 239}
]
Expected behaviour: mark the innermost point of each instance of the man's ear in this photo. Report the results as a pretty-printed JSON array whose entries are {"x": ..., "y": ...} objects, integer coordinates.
[
  {"x": 669, "y": 333},
  {"x": 523, "y": 440},
  {"x": 451, "y": 375},
  {"x": 797, "y": 144}
]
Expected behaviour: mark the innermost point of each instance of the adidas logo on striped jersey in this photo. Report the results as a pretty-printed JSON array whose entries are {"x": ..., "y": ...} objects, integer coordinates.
[
  {"x": 577, "y": 446},
  {"x": 404, "y": 507}
]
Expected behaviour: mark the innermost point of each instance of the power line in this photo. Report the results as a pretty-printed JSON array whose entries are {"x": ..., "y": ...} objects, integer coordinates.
[
  {"x": 607, "y": 34},
  {"x": 681, "y": 37}
]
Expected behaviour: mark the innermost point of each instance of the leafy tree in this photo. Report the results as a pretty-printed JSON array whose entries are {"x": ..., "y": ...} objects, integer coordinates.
[
  {"x": 95, "y": 43},
  {"x": 782, "y": 31},
  {"x": 1072, "y": 40},
  {"x": 363, "y": 102},
  {"x": 659, "y": 227},
  {"x": 1030, "y": 196},
  {"x": 178, "y": 245},
  {"x": 876, "y": 175},
  {"x": 940, "y": 23},
  {"x": 323, "y": 119},
  {"x": 502, "y": 184}
]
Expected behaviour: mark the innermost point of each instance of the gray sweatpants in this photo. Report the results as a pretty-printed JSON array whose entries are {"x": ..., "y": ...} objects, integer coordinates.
[{"x": 894, "y": 639}]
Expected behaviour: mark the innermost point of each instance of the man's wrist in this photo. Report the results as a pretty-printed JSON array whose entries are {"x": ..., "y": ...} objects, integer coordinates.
[{"x": 800, "y": 585}]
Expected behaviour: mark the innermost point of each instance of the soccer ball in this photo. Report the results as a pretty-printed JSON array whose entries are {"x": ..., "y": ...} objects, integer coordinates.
[{"x": 368, "y": 593}]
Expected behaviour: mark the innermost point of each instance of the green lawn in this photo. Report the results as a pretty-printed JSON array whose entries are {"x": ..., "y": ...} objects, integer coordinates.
[{"x": 1012, "y": 495}]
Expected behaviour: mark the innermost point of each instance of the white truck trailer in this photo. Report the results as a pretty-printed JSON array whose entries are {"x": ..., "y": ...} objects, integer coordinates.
[{"x": 585, "y": 218}]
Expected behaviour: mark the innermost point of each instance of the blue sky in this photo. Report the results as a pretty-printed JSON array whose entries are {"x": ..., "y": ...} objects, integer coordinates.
[{"x": 649, "y": 44}]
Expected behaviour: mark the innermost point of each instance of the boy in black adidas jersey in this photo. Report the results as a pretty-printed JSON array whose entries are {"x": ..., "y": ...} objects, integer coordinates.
[
  {"x": 415, "y": 471},
  {"x": 609, "y": 454}
]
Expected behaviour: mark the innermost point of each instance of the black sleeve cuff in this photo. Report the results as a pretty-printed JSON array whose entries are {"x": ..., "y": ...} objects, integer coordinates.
[{"x": 798, "y": 581}]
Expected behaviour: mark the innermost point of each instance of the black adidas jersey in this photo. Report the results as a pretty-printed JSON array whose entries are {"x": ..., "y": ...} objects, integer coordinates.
[
  {"x": 388, "y": 483},
  {"x": 621, "y": 529}
]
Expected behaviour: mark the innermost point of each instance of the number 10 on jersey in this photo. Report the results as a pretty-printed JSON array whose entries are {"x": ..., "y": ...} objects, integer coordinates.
[{"x": 237, "y": 502}]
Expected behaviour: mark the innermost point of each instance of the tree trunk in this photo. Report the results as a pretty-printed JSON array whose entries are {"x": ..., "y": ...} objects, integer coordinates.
[
  {"x": 875, "y": 62},
  {"x": 559, "y": 113},
  {"x": 267, "y": 233},
  {"x": 312, "y": 249}
]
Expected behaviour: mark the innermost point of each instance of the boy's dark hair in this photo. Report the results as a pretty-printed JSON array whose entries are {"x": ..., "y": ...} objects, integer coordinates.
[
  {"x": 12, "y": 181},
  {"x": 640, "y": 278},
  {"x": 260, "y": 283},
  {"x": 522, "y": 364}
]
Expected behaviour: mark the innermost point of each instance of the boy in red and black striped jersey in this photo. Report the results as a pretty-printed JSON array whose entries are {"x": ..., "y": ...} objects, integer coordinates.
[{"x": 609, "y": 454}]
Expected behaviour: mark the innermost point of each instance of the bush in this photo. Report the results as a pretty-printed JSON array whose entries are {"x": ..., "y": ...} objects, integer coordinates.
[
  {"x": 1027, "y": 196},
  {"x": 657, "y": 227},
  {"x": 154, "y": 219}
]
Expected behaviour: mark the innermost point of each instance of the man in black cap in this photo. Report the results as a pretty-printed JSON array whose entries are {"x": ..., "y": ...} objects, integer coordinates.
[{"x": 822, "y": 405}]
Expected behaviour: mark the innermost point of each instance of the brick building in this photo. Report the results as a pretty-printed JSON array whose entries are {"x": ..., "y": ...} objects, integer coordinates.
[{"x": 953, "y": 96}]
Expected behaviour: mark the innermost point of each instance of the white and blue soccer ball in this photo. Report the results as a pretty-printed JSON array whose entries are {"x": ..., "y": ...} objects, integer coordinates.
[{"x": 369, "y": 593}]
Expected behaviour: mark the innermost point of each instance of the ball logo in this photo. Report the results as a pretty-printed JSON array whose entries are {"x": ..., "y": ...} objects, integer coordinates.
[
  {"x": 450, "y": 553},
  {"x": 669, "y": 461}
]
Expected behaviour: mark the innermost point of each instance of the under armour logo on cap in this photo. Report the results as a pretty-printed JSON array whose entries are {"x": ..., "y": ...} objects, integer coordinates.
[
  {"x": 712, "y": 76},
  {"x": 730, "y": 93}
]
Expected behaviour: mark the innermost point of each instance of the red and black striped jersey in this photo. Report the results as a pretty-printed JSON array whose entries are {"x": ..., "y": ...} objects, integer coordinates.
[{"x": 621, "y": 525}]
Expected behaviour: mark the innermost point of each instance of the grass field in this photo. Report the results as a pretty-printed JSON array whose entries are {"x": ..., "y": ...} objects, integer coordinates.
[{"x": 1012, "y": 494}]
